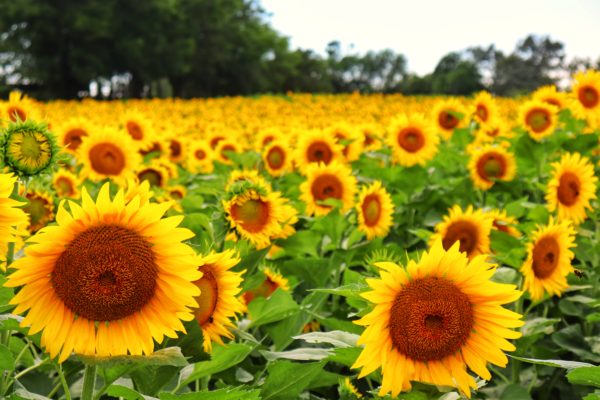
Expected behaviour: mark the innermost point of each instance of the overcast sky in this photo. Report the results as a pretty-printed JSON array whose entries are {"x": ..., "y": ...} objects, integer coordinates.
[{"x": 425, "y": 30}]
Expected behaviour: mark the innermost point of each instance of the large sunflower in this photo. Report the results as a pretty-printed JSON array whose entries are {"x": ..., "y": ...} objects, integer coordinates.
[
  {"x": 412, "y": 140},
  {"x": 448, "y": 115},
  {"x": 572, "y": 187},
  {"x": 434, "y": 319},
  {"x": 11, "y": 215},
  {"x": 108, "y": 154},
  {"x": 108, "y": 278},
  {"x": 273, "y": 281},
  {"x": 586, "y": 96},
  {"x": 490, "y": 163},
  {"x": 333, "y": 181},
  {"x": 470, "y": 228},
  {"x": 374, "y": 210},
  {"x": 549, "y": 259},
  {"x": 315, "y": 147},
  {"x": 538, "y": 118},
  {"x": 218, "y": 302}
]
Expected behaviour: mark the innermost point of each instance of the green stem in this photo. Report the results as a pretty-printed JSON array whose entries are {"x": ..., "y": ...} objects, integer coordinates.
[
  {"x": 27, "y": 370},
  {"x": 89, "y": 381},
  {"x": 63, "y": 382},
  {"x": 497, "y": 372}
]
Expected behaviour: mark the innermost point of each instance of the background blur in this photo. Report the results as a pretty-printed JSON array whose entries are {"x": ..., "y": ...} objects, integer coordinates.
[{"x": 198, "y": 48}]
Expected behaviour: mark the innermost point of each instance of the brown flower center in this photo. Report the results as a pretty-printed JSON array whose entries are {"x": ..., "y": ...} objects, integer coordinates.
[
  {"x": 106, "y": 272},
  {"x": 411, "y": 139},
  {"x": 463, "y": 231},
  {"x": 545, "y": 256},
  {"x": 153, "y": 177},
  {"x": 569, "y": 188},
  {"x": 175, "y": 148},
  {"x": 430, "y": 319},
  {"x": 538, "y": 119},
  {"x": 588, "y": 96},
  {"x": 327, "y": 186},
  {"x": 482, "y": 112},
  {"x": 134, "y": 130},
  {"x": 200, "y": 154},
  {"x": 215, "y": 141},
  {"x": 268, "y": 139},
  {"x": 319, "y": 152},
  {"x": 107, "y": 159},
  {"x": 40, "y": 212},
  {"x": 65, "y": 187},
  {"x": 209, "y": 296},
  {"x": 491, "y": 165},
  {"x": 448, "y": 120},
  {"x": 252, "y": 214},
  {"x": 371, "y": 209},
  {"x": 73, "y": 138},
  {"x": 276, "y": 157},
  {"x": 15, "y": 113},
  {"x": 225, "y": 149}
]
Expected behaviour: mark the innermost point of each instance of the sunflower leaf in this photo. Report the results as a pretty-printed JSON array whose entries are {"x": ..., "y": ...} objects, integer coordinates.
[
  {"x": 589, "y": 376},
  {"x": 222, "y": 358},
  {"x": 169, "y": 356},
  {"x": 553, "y": 363},
  {"x": 286, "y": 380}
]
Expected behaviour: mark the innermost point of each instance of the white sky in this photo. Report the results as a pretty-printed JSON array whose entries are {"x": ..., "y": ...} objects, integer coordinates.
[{"x": 425, "y": 30}]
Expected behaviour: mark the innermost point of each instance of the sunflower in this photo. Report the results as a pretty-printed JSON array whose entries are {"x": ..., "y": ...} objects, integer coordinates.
[
  {"x": 248, "y": 175},
  {"x": 39, "y": 208},
  {"x": 267, "y": 136},
  {"x": 448, "y": 115},
  {"x": 200, "y": 157},
  {"x": 139, "y": 128},
  {"x": 214, "y": 139},
  {"x": 108, "y": 154},
  {"x": 177, "y": 192},
  {"x": 538, "y": 118},
  {"x": 374, "y": 210},
  {"x": 19, "y": 108},
  {"x": 177, "y": 149},
  {"x": 435, "y": 318},
  {"x": 572, "y": 187},
  {"x": 72, "y": 133},
  {"x": 371, "y": 137},
  {"x": 277, "y": 158},
  {"x": 66, "y": 184},
  {"x": 484, "y": 108},
  {"x": 273, "y": 281},
  {"x": 107, "y": 279},
  {"x": 315, "y": 147},
  {"x": 28, "y": 148},
  {"x": 490, "y": 163},
  {"x": 226, "y": 146},
  {"x": 412, "y": 140},
  {"x": 504, "y": 223},
  {"x": 548, "y": 94},
  {"x": 549, "y": 259},
  {"x": 255, "y": 213},
  {"x": 333, "y": 181},
  {"x": 495, "y": 128},
  {"x": 470, "y": 228},
  {"x": 217, "y": 303},
  {"x": 349, "y": 139},
  {"x": 155, "y": 173},
  {"x": 586, "y": 96},
  {"x": 11, "y": 215}
]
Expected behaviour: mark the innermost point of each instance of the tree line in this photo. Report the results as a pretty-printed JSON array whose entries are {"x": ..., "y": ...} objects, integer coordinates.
[{"x": 197, "y": 48}]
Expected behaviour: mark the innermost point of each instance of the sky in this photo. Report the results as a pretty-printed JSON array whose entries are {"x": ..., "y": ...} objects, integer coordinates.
[{"x": 424, "y": 31}]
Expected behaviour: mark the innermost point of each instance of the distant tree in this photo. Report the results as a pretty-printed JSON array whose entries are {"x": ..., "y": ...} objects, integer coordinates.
[{"x": 456, "y": 75}]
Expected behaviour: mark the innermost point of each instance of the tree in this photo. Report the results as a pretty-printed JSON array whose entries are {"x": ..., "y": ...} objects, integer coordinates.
[{"x": 456, "y": 75}]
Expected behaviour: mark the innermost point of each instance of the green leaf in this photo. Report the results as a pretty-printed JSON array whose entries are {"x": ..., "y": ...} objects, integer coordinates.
[
  {"x": 124, "y": 392},
  {"x": 346, "y": 356},
  {"x": 335, "y": 338},
  {"x": 571, "y": 339},
  {"x": 286, "y": 380},
  {"x": 169, "y": 356},
  {"x": 515, "y": 392},
  {"x": 300, "y": 354},
  {"x": 223, "y": 357},
  {"x": 278, "y": 306},
  {"x": 539, "y": 325},
  {"x": 301, "y": 243},
  {"x": 553, "y": 363},
  {"x": 229, "y": 393},
  {"x": 589, "y": 376},
  {"x": 7, "y": 361}
]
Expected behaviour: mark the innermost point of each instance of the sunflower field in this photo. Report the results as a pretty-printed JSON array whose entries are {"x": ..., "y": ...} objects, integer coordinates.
[{"x": 302, "y": 247}]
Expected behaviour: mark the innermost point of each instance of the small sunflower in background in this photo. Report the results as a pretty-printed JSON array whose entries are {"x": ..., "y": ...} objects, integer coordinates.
[
  {"x": 585, "y": 96},
  {"x": 548, "y": 94},
  {"x": 347, "y": 391},
  {"x": 549, "y": 259},
  {"x": 448, "y": 115},
  {"x": 72, "y": 132},
  {"x": 11, "y": 213},
  {"x": 349, "y": 138},
  {"x": 19, "y": 108},
  {"x": 226, "y": 146},
  {"x": 494, "y": 129},
  {"x": 218, "y": 302},
  {"x": 484, "y": 108},
  {"x": 412, "y": 140},
  {"x": 273, "y": 281},
  {"x": 371, "y": 137},
  {"x": 28, "y": 148},
  {"x": 470, "y": 228},
  {"x": 490, "y": 163},
  {"x": 504, "y": 223},
  {"x": 178, "y": 147},
  {"x": 538, "y": 118},
  {"x": 572, "y": 187},
  {"x": 323, "y": 182},
  {"x": 66, "y": 184},
  {"x": 200, "y": 157},
  {"x": 139, "y": 128},
  {"x": 155, "y": 173},
  {"x": 39, "y": 208},
  {"x": 110, "y": 277},
  {"x": 434, "y": 318},
  {"x": 267, "y": 136},
  {"x": 314, "y": 147},
  {"x": 108, "y": 154},
  {"x": 277, "y": 158},
  {"x": 374, "y": 210}
]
